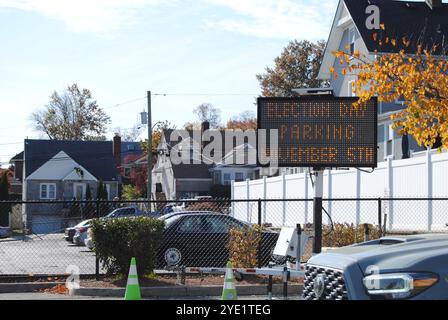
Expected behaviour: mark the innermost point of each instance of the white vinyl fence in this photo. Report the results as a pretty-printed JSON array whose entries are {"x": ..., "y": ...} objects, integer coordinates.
[{"x": 421, "y": 177}]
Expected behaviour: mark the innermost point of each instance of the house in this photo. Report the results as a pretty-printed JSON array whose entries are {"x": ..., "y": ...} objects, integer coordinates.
[
  {"x": 224, "y": 173},
  {"x": 63, "y": 170},
  {"x": 183, "y": 180},
  {"x": 16, "y": 182},
  {"x": 127, "y": 153},
  {"x": 423, "y": 22},
  {"x": 187, "y": 180}
]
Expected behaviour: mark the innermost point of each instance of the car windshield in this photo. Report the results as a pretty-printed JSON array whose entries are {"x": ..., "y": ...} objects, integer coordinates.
[
  {"x": 113, "y": 213},
  {"x": 170, "y": 220},
  {"x": 82, "y": 224}
]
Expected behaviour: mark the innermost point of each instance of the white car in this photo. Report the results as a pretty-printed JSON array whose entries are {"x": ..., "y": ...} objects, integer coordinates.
[{"x": 81, "y": 235}]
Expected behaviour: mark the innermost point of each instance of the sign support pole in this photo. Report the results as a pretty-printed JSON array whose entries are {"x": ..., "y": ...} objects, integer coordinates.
[{"x": 317, "y": 209}]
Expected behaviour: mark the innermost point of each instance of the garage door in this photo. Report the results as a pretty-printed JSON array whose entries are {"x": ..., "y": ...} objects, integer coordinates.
[{"x": 46, "y": 224}]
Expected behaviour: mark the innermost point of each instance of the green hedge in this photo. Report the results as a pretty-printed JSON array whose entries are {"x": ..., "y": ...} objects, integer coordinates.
[{"x": 118, "y": 240}]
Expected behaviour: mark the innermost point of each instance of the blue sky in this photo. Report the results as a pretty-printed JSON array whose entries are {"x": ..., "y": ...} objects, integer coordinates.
[{"x": 121, "y": 48}]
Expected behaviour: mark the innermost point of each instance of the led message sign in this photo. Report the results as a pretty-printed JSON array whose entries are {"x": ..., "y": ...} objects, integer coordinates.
[{"x": 319, "y": 131}]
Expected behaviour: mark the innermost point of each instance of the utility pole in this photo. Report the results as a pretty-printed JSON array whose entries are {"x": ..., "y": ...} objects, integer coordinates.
[{"x": 149, "y": 187}]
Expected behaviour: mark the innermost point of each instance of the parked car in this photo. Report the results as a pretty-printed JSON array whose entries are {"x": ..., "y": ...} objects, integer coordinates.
[
  {"x": 199, "y": 239},
  {"x": 88, "y": 242},
  {"x": 70, "y": 232},
  {"x": 130, "y": 212},
  {"x": 81, "y": 235},
  {"x": 85, "y": 236},
  {"x": 391, "y": 268},
  {"x": 5, "y": 232}
]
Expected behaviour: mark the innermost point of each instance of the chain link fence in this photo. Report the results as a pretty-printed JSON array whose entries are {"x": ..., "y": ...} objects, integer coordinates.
[{"x": 46, "y": 238}]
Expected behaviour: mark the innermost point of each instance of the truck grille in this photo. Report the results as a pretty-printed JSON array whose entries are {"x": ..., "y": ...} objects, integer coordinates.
[{"x": 332, "y": 286}]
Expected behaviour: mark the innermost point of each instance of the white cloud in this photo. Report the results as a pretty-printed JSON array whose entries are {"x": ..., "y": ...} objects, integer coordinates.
[
  {"x": 98, "y": 16},
  {"x": 287, "y": 19}
]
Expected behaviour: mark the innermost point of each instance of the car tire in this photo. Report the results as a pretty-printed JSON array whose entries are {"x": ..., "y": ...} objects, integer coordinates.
[{"x": 172, "y": 257}]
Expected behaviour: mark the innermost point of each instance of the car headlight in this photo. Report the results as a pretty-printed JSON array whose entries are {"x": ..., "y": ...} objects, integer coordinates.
[{"x": 398, "y": 285}]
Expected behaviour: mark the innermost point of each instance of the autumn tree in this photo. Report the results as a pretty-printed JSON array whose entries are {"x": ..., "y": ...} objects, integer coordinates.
[
  {"x": 297, "y": 67},
  {"x": 72, "y": 115},
  {"x": 246, "y": 120},
  {"x": 420, "y": 80},
  {"x": 157, "y": 133}
]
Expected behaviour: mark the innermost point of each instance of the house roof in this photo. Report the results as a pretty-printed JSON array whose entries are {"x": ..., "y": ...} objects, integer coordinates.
[
  {"x": 198, "y": 171},
  {"x": 414, "y": 20},
  {"x": 94, "y": 156},
  {"x": 192, "y": 171},
  {"x": 17, "y": 157},
  {"x": 130, "y": 149}
]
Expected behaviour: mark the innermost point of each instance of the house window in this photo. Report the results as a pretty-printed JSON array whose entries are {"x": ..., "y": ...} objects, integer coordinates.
[
  {"x": 127, "y": 172},
  {"x": 48, "y": 191},
  {"x": 108, "y": 191},
  {"x": 352, "y": 34},
  {"x": 351, "y": 92},
  {"x": 226, "y": 179},
  {"x": 79, "y": 191},
  {"x": 389, "y": 140},
  {"x": 217, "y": 177},
  {"x": 239, "y": 176}
]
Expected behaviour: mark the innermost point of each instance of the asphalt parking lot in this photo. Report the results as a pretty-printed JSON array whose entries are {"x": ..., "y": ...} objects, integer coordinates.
[{"x": 43, "y": 254}]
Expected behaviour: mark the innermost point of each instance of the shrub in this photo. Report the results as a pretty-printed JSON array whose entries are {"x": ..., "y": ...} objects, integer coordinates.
[
  {"x": 118, "y": 240},
  {"x": 243, "y": 246},
  {"x": 130, "y": 192},
  {"x": 345, "y": 234}
]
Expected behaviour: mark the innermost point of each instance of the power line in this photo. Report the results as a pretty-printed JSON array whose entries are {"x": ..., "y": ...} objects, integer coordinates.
[
  {"x": 124, "y": 103},
  {"x": 10, "y": 143},
  {"x": 205, "y": 94}
]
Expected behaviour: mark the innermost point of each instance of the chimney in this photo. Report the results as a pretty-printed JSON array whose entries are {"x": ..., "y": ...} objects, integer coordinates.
[
  {"x": 205, "y": 126},
  {"x": 434, "y": 3},
  {"x": 116, "y": 148}
]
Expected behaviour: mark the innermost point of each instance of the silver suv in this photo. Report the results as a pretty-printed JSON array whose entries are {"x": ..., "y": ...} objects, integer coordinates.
[{"x": 391, "y": 268}]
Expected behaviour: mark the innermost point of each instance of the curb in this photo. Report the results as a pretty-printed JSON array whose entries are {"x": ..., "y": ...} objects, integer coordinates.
[
  {"x": 26, "y": 287},
  {"x": 184, "y": 291}
]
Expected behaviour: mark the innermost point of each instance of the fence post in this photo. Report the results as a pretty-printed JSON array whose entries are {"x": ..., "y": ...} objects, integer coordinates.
[
  {"x": 390, "y": 185},
  {"x": 299, "y": 246},
  {"x": 248, "y": 213},
  {"x": 232, "y": 197},
  {"x": 97, "y": 260},
  {"x": 306, "y": 173},
  {"x": 330, "y": 192},
  {"x": 429, "y": 187},
  {"x": 380, "y": 215},
  {"x": 366, "y": 232},
  {"x": 284, "y": 198},
  {"x": 259, "y": 230},
  {"x": 265, "y": 196},
  {"x": 358, "y": 196}
]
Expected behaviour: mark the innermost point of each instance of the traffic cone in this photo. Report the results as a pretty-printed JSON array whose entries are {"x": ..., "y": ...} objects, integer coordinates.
[
  {"x": 229, "y": 291},
  {"x": 133, "y": 288}
]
